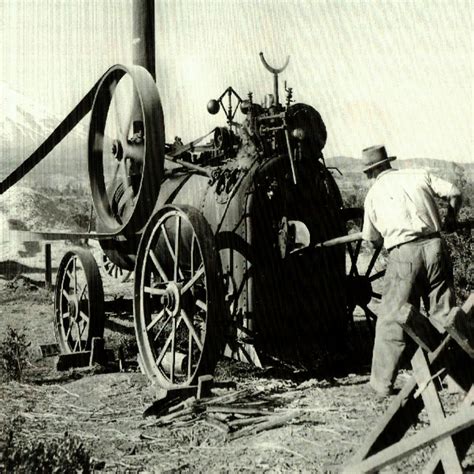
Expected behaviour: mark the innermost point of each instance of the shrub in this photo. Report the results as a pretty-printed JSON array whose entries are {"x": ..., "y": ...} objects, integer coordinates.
[
  {"x": 461, "y": 248},
  {"x": 61, "y": 456},
  {"x": 14, "y": 354}
]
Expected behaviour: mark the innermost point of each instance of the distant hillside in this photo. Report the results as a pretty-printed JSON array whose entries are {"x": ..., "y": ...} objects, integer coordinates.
[
  {"x": 447, "y": 169},
  {"x": 354, "y": 185}
]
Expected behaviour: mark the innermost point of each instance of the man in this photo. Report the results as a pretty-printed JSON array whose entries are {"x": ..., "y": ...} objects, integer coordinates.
[{"x": 400, "y": 209}]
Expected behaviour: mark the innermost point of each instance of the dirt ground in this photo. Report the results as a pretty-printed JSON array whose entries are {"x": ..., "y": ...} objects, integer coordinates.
[{"x": 332, "y": 410}]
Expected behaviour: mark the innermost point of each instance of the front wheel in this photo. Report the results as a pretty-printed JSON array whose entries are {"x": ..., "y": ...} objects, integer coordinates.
[{"x": 179, "y": 297}]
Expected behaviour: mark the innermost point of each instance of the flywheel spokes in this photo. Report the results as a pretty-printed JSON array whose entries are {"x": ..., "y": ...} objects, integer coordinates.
[
  {"x": 79, "y": 313},
  {"x": 178, "y": 293}
]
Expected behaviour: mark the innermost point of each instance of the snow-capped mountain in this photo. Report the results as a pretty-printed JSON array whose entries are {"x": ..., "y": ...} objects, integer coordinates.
[
  {"x": 24, "y": 120},
  {"x": 24, "y": 124}
]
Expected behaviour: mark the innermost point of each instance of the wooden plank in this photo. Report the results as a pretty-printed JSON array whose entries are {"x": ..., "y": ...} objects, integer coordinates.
[
  {"x": 272, "y": 422},
  {"x": 50, "y": 350},
  {"x": 462, "y": 441},
  {"x": 73, "y": 360},
  {"x": 419, "y": 328},
  {"x": 238, "y": 409},
  {"x": 401, "y": 414},
  {"x": 30, "y": 236},
  {"x": 460, "y": 325},
  {"x": 446, "y": 448},
  {"x": 454, "y": 424},
  {"x": 204, "y": 386}
]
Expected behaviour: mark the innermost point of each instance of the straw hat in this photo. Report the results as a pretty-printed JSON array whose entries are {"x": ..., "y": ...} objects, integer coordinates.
[{"x": 375, "y": 156}]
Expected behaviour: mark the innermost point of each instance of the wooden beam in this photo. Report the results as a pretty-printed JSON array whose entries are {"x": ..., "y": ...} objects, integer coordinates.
[
  {"x": 447, "y": 451},
  {"x": 419, "y": 328},
  {"x": 454, "y": 424},
  {"x": 462, "y": 441},
  {"x": 402, "y": 412},
  {"x": 460, "y": 325},
  {"x": 343, "y": 239}
]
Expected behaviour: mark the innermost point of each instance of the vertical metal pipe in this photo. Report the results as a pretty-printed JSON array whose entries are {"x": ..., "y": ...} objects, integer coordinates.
[
  {"x": 143, "y": 34},
  {"x": 250, "y": 314}
]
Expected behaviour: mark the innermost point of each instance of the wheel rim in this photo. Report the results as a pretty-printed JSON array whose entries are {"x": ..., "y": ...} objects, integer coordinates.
[
  {"x": 176, "y": 297},
  {"x": 78, "y": 302},
  {"x": 126, "y": 148}
]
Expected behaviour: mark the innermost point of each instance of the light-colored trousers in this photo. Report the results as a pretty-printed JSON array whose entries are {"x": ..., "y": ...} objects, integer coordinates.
[{"x": 419, "y": 269}]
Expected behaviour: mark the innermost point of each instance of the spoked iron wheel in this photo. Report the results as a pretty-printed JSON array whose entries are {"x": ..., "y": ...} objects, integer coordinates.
[
  {"x": 178, "y": 304},
  {"x": 126, "y": 148},
  {"x": 78, "y": 302},
  {"x": 363, "y": 279},
  {"x": 361, "y": 283}
]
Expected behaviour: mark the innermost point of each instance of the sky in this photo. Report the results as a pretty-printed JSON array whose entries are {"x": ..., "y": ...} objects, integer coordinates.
[{"x": 398, "y": 73}]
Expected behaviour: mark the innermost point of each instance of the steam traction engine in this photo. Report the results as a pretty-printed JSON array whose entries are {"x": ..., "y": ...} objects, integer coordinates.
[{"x": 223, "y": 233}]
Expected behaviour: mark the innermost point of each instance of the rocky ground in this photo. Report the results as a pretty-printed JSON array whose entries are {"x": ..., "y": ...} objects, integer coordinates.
[
  {"x": 327, "y": 412},
  {"x": 328, "y": 415}
]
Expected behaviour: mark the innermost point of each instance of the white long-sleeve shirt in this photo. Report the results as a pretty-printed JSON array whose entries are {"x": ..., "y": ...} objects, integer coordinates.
[{"x": 400, "y": 206}]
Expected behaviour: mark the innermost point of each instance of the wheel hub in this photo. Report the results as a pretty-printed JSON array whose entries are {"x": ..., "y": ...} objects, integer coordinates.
[
  {"x": 171, "y": 300},
  {"x": 359, "y": 290},
  {"x": 117, "y": 150},
  {"x": 73, "y": 307}
]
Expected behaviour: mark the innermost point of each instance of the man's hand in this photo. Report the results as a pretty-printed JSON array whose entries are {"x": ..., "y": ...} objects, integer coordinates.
[
  {"x": 454, "y": 204},
  {"x": 450, "y": 222},
  {"x": 375, "y": 244}
]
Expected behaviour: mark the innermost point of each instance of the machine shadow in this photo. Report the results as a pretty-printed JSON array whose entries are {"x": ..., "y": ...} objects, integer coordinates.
[{"x": 353, "y": 357}]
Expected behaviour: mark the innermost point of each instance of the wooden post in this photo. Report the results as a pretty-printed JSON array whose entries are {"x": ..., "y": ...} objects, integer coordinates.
[{"x": 48, "y": 280}]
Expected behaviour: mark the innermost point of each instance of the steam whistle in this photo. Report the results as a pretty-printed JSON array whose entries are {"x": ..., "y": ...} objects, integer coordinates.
[{"x": 275, "y": 71}]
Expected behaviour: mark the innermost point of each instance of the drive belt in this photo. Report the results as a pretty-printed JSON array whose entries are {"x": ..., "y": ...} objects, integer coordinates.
[{"x": 71, "y": 120}]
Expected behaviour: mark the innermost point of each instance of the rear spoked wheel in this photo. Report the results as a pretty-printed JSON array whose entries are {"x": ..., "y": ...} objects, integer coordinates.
[
  {"x": 362, "y": 283},
  {"x": 364, "y": 275},
  {"x": 178, "y": 304},
  {"x": 78, "y": 302}
]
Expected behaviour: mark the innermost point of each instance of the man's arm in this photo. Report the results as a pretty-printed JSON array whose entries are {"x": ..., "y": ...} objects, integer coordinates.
[
  {"x": 369, "y": 231},
  {"x": 453, "y": 195},
  {"x": 454, "y": 205}
]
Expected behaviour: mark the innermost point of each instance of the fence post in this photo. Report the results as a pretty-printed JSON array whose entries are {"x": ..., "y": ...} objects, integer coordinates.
[{"x": 48, "y": 282}]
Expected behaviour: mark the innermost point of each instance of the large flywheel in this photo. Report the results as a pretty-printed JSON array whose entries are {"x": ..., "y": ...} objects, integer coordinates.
[
  {"x": 178, "y": 304},
  {"x": 126, "y": 149}
]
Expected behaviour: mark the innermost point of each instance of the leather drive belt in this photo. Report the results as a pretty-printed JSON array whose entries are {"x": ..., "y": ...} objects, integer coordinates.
[{"x": 71, "y": 120}]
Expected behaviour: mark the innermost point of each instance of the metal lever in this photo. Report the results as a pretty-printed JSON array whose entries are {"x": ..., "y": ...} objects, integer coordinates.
[{"x": 275, "y": 71}]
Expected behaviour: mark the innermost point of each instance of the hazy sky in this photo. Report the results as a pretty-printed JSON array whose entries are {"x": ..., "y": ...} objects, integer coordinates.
[{"x": 393, "y": 72}]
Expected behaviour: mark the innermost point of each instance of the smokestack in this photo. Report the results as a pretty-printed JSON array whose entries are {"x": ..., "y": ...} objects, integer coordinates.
[{"x": 143, "y": 36}]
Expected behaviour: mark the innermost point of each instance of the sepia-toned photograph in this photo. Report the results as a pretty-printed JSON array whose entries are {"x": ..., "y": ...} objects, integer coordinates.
[{"x": 236, "y": 236}]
